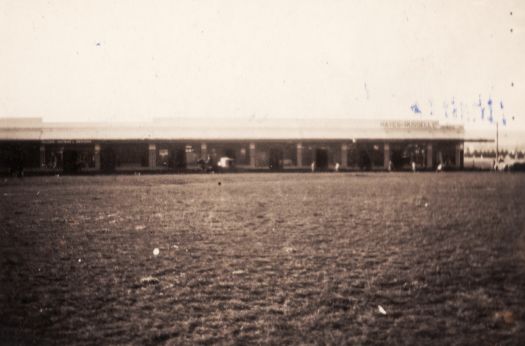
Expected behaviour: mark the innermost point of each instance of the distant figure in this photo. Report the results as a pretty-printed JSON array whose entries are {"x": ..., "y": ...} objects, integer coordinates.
[
  {"x": 390, "y": 165},
  {"x": 439, "y": 167},
  {"x": 414, "y": 166},
  {"x": 337, "y": 166},
  {"x": 313, "y": 166}
]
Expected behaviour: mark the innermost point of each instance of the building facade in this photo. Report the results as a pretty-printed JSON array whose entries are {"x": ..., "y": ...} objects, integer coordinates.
[{"x": 182, "y": 145}]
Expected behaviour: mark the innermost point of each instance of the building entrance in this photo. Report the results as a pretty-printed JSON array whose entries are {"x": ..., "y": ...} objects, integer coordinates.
[
  {"x": 71, "y": 161},
  {"x": 321, "y": 159},
  {"x": 276, "y": 159},
  {"x": 108, "y": 159}
]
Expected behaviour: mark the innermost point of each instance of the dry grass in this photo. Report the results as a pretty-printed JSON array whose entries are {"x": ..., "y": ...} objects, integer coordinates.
[{"x": 264, "y": 258}]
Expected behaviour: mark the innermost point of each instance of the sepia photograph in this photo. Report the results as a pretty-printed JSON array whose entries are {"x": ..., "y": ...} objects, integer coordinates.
[{"x": 249, "y": 172}]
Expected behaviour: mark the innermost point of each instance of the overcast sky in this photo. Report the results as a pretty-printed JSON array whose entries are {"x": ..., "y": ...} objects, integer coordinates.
[{"x": 136, "y": 60}]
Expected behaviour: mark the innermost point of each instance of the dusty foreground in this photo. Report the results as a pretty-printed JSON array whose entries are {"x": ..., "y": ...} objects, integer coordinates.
[{"x": 264, "y": 258}]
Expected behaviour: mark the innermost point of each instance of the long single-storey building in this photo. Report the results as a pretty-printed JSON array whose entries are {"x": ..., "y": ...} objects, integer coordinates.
[{"x": 35, "y": 146}]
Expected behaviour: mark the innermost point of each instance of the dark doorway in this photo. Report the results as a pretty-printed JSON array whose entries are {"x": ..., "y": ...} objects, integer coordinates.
[
  {"x": 178, "y": 158},
  {"x": 276, "y": 159},
  {"x": 397, "y": 159},
  {"x": 108, "y": 159},
  {"x": 365, "y": 163},
  {"x": 321, "y": 159},
  {"x": 71, "y": 162}
]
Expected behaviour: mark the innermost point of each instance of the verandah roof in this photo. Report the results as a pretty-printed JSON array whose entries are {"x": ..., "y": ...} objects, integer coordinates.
[{"x": 230, "y": 129}]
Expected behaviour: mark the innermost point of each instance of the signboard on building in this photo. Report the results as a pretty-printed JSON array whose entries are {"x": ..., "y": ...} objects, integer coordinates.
[
  {"x": 410, "y": 124},
  {"x": 67, "y": 141}
]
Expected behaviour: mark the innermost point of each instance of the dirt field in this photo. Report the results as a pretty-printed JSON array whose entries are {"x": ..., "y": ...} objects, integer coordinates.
[{"x": 264, "y": 258}]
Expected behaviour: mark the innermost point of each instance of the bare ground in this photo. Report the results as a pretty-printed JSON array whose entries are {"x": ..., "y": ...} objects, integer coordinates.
[{"x": 264, "y": 258}]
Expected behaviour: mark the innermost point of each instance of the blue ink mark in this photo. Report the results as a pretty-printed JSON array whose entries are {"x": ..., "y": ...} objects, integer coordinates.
[
  {"x": 503, "y": 118},
  {"x": 415, "y": 108},
  {"x": 489, "y": 102},
  {"x": 454, "y": 109},
  {"x": 481, "y": 108}
]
